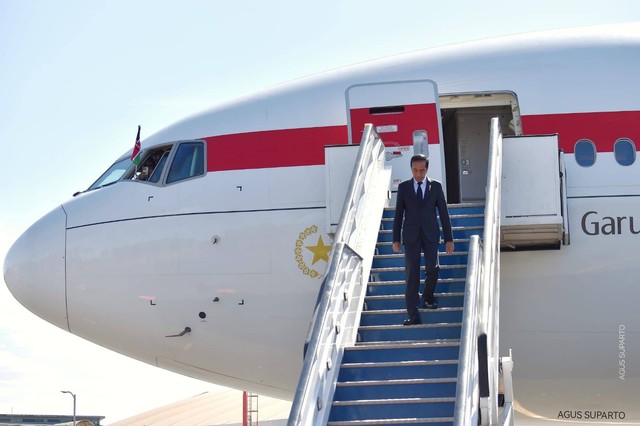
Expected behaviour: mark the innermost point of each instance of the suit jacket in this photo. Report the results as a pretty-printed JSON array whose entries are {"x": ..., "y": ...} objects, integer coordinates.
[{"x": 415, "y": 217}]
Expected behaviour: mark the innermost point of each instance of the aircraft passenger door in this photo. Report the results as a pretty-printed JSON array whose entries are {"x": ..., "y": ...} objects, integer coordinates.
[
  {"x": 406, "y": 115},
  {"x": 473, "y": 150}
]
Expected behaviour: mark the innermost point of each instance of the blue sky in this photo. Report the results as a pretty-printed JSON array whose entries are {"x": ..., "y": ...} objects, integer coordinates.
[{"x": 77, "y": 77}]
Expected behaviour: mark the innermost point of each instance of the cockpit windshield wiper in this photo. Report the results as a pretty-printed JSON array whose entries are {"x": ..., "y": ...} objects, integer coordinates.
[{"x": 94, "y": 188}]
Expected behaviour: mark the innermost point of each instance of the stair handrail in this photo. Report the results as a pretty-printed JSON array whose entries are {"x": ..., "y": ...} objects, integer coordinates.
[
  {"x": 334, "y": 322},
  {"x": 566, "y": 240},
  {"x": 482, "y": 318},
  {"x": 467, "y": 391},
  {"x": 491, "y": 266}
]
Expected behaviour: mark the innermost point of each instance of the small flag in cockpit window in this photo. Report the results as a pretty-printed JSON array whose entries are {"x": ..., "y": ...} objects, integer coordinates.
[{"x": 135, "y": 155}]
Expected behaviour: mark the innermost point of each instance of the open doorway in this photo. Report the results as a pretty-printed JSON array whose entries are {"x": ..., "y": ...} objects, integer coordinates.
[{"x": 465, "y": 125}]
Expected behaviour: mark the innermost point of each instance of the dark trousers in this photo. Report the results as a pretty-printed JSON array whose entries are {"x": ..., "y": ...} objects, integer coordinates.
[{"x": 412, "y": 254}]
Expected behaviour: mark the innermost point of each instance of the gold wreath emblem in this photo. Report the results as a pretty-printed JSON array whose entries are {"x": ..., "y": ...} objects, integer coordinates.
[{"x": 320, "y": 252}]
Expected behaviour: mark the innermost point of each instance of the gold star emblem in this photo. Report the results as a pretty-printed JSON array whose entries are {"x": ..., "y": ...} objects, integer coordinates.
[{"x": 320, "y": 251}]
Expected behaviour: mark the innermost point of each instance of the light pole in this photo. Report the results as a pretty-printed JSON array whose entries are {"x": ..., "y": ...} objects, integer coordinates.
[{"x": 74, "y": 405}]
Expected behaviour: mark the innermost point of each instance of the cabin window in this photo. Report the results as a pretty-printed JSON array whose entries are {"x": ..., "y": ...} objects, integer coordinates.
[
  {"x": 585, "y": 153},
  {"x": 187, "y": 163},
  {"x": 625, "y": 151}
]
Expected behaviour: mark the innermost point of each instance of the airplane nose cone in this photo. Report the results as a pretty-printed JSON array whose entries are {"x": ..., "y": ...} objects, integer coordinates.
[{"x": 34, "y": 269}]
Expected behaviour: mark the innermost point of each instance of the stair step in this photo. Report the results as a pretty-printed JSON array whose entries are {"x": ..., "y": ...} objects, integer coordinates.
[
  {"x": 402, "y": 311},
  {"x": 401, "y": 255},
  {"x": 394, "y": 296},
  {"x": 460, "y": 219},
  {"x": 378, "y": 409},
  {"x": 408, "y": 371},
  {"x": 397, "y": 259},
  {"x": 412, "y": 344},
  {"x": 453, "y": 228},
  {"x": 386, "y": 235},
  {"x": 457, "y": 208},
  {"x": 401, "y": 268},
  {"x": 443, "y": 268},
  {"x": 402, "y": 282},
  {"x": 400, "y": 382},
  {"x": 414, "y": 351},
  {"x": 455, "y": 240},
  {"x": 398, "y": 272},
  {"x": 397, "y": 316},
  {"x": 352, "y": 371},
  {"x": 451, "y": 216},
  {"x": 446, "y": 421},
  {"x": 397, "y": 301},
  {"x": 393, "y": 401},
  {"x": 418, "y": 363},
  {"x": 386, "y": 247},
  {"x": 466, "y": 204},
  {"x": 397, "y": 287},
  {"x": 398, "y": 332},
  {"x": 402, "y": 327},
  {"x": 398, "y": 343},
  {"x": 390, "y": 389}
]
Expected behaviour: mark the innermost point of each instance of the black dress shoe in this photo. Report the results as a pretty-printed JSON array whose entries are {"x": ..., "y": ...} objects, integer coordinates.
[
  {"x": 412, "y": 321},
  {"x": 433, "y": 305}
]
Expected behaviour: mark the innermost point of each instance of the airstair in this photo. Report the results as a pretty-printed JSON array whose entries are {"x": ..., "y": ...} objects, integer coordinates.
[
  {"x": 399, "y": 374},
  {"x": 447, "y": 370}
]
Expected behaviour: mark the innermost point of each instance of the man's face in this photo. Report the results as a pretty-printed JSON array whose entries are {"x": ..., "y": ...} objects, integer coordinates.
[{"x": 419, "y": 170}]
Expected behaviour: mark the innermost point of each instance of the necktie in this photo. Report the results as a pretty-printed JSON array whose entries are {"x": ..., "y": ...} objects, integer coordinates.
[{"x": 419, "y": 193}]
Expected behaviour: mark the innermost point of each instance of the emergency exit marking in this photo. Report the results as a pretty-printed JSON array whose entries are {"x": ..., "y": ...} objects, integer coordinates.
[{"x": 387, "y": 129}]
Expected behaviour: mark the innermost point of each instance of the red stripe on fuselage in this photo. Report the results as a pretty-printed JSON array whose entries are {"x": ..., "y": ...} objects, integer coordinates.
[
  {"x": 305, "y": 147},
  {"x": 602, "y": 128},
  {"x": 272, "y": 148}
]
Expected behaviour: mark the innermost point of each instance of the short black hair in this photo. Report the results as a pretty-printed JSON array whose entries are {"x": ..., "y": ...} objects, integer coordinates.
[{"x": 420, "y": 157}]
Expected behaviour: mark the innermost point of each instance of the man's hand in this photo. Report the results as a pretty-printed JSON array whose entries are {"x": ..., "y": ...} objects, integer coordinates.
[
  {"x": 397, "y": 247},
  {"x": 448, "y": 246}
]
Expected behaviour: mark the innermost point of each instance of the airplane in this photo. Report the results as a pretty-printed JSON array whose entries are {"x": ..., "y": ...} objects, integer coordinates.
[{"x": 207, "y": 257}]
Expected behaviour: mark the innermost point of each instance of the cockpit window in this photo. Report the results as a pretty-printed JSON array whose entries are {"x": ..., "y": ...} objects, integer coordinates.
[
  {"x": 112, "y": 174},
  {"x": 152, "y": 164},
  {"x": 188, "y": 162},
  {"x": 157, "y": 171}
]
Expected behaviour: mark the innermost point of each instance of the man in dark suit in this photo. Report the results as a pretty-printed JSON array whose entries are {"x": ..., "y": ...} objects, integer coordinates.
[{"x": 417, "y": 202}]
